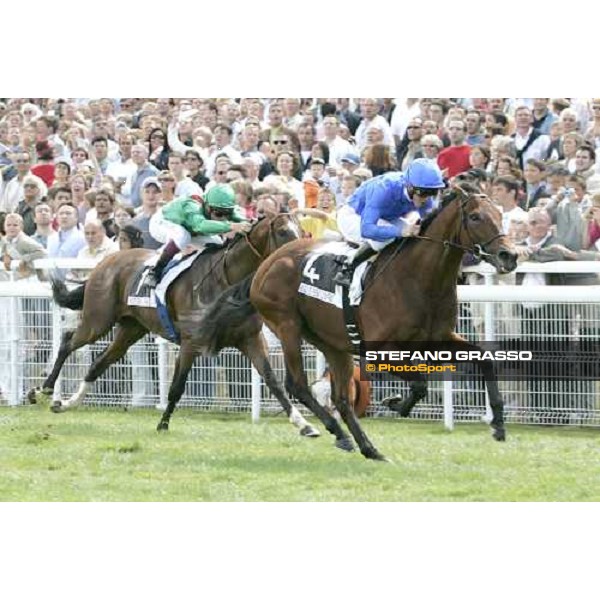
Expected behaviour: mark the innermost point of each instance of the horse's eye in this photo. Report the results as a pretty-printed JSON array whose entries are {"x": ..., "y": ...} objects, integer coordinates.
[{"x": 475, "y": 217}]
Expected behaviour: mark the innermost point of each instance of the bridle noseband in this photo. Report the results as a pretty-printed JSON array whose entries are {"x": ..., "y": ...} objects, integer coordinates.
[{"x": 477, "y": 250}]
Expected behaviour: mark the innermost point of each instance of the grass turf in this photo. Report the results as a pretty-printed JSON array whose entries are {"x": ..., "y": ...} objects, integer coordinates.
[{"x": 101, "y": 455}]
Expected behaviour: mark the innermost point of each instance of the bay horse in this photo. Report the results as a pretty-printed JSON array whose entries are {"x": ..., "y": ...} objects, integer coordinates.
[
  {"x": 409, "y": 295},
  {"x": 103, "y": 300}
]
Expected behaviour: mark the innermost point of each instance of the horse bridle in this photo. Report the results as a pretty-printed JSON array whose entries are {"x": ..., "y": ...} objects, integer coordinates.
[
  {"x": 246, "y": 236},
  {"x": 478, "y": 250}
]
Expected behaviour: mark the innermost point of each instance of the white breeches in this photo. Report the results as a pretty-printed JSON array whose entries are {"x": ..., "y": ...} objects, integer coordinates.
[
  {"x": 349, "y": 223},
  {"x": 163, "y": 230}
]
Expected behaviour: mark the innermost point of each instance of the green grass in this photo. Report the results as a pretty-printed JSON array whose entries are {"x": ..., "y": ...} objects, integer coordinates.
[{"x": 101, "y": 455}]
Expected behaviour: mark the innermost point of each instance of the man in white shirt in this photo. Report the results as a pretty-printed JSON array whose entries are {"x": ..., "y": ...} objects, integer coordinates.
[
  {"x": 504, "y": 193},
  {"x": 369, "y": 109},
  {"x": 338, "y": 147},
  {"x": 529, "y": 142}
]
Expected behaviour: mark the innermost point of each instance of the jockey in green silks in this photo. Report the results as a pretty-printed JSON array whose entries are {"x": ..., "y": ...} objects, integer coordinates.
[{"x": 185, "y": 217}]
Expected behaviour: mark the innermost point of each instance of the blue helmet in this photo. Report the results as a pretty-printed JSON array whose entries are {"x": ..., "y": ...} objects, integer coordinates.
[{"x": 424, "y": 173}]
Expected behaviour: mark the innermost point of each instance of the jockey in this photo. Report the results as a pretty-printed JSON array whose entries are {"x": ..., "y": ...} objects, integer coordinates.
[
  {"x": 385, "y": 208},
  {"x": 185, "y": 217}
]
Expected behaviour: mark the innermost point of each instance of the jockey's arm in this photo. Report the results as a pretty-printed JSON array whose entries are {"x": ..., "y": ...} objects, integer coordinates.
[{"x": 372, "y": 212}]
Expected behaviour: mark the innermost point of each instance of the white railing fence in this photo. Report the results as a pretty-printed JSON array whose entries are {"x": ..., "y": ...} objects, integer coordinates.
[{"x": 32, "y": 325}]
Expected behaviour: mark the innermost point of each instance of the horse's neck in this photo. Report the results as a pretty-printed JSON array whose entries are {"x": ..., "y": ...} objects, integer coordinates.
[
  {"x": 437, "y": 258},
  {"x": 431, "y": 265}
]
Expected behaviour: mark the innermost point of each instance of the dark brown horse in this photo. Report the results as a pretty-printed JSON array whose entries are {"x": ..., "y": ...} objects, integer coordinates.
[
  {"x": 417, "y": 277},
  {"x": 103, "y": 299}
]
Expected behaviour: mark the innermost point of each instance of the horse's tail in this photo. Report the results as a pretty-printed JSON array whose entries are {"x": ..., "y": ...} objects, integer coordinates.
[
  {"x": 65, "y": 298},
  {"x": 224, "y": 317}
]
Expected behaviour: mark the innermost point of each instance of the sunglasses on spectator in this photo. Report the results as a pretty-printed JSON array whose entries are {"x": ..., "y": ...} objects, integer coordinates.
[
  {"x": 414, "y": 127},
  {"x": 278, "y": 142},
  {"x": 163, "y": 179},
  {"x": 157, "y": 137},
  {"x": 30, "y": 185}
]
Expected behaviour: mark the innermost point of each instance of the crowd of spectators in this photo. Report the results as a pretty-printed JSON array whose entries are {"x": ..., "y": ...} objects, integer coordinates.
[{"x": 83, "y": 177}]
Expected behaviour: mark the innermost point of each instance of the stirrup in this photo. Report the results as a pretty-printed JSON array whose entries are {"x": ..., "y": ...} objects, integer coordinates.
[
  {"x": 343, "y": 278},
  {"x": 150, "y": 280}
]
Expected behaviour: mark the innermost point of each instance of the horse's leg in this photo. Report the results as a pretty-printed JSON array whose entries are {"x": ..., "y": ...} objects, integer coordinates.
[
  {"x": 491, "y": 381},
  {"x": 127, "y": 333},
  {"x": 70, "y": 341},
  {"x": 404, "y": 405},
  {"x": 185, "y": 360},
  {"x": 341, "y": 367},
  {"x": 297, "y": 385},
  {"x": 255, "y": 349}
]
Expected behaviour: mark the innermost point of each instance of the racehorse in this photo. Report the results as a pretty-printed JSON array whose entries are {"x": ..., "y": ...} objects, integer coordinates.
[
  {"x": 409, "y": 295},
  {"x": 103, "y": 299}
]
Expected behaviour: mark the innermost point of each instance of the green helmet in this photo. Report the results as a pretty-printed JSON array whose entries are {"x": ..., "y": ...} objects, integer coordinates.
[{"x": 221, "y": 196}]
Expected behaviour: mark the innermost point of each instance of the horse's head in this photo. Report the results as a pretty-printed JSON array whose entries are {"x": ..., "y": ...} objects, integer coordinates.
[
  {"x": 481, "y": 227},
  {"x": 271, "y": 232}
]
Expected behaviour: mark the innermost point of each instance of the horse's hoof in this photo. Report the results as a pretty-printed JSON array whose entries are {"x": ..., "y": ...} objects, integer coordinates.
[
  {"x": 310, "y": 431},
  {"x": 58, "y": 407},
  {"x": 345, "y": 444},
  {"x": 32, "y": 394},
  {"x": 397, "y": 404},
  {"x": 162, "y": 426},
  {"x": 499, "y": 435},
  {"x": 378, "y": 456}
]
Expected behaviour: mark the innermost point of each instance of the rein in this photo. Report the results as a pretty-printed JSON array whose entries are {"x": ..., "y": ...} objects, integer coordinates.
[
  {"x": 478, "y": 250},
  {"x": 246, "y": 237}
]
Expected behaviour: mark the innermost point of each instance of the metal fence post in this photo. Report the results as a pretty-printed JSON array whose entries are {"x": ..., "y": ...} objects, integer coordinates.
[
  {"x": 448, "y": 406},
  {"x": 256, "y": 391},
  {"x": 163, "y": 374}
]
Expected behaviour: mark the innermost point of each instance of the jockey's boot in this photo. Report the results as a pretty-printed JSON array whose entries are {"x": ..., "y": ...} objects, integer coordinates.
[
  {"x": 344, "y": 276},
  {"x": 155, "y": 272}
]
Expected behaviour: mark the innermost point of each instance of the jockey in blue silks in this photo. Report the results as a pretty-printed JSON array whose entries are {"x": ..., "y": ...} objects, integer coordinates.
[{"x": 385, "y": 208}]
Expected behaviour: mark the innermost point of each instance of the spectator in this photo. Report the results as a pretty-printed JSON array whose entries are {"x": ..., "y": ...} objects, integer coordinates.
[
  {"x": 244, "y": 198},
  {"x": 103, "y": 210},
  {"x": 16, "y": 245},
  {"x": 410, "y": 146},
  {"x": 542, "y": 117},
  {"x": 195, "y": 168},
  {"x": 276, "y": 129},
  {"x": 43, "y": 224},
  {"x": 585, "y": 159},
  {"x": 31, "y": 198},
  {"x": 479, "y": 157},
  {"x": 535, "y": 187},
  {"x": 529, "y": 142},
  {"x": 455, "y": 159},
  {"x": 44, "y": 168},
  {"x": 130, "y": 237},
  {"x": 473, "y": 125},
  {"x": 184, "y": 185},
  {"x": 69, "y": 239},
  {"x": 62, "y": 173},
  {"x": 571, "y": 142},
  {"x": 504, "y": 193},
  {"x": 338, "y": 147},
  {"x": 13, "y": 191},
  {"x": 369, "y": 109},
  {"x": 379, "y": 159},
  {"x": 431, "y": 145},
  {"x": 98, "y": 245},
  {"x": 151, "y": 192},
  {"x": 158, "y": 149},
  {"x": 132, "y": 191}
]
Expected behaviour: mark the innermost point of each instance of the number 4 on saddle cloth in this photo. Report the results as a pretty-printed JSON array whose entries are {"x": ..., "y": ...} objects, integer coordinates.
[
  {"x": 143, "y": 295},
  {"x": 318, "y": 270}
]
